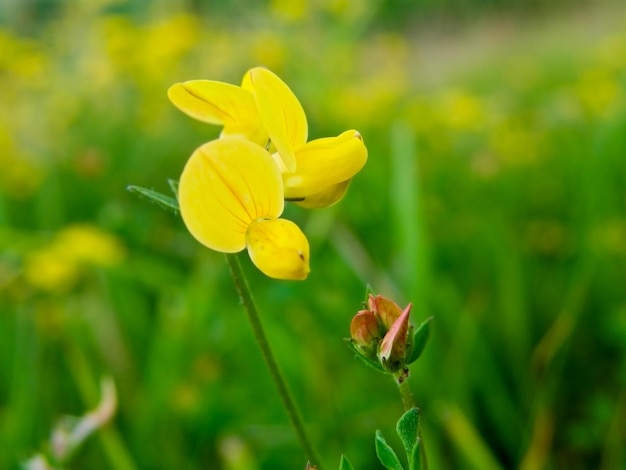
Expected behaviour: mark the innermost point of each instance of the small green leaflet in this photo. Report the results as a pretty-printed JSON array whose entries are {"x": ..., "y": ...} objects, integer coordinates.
[{"x": 162, "y": 200}]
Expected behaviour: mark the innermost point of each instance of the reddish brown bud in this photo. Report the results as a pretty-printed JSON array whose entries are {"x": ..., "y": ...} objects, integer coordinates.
[
  {"x": 393, "y": 348},
  {"x": 364, "y": 331},
  {"x": 386, "y": 310}
]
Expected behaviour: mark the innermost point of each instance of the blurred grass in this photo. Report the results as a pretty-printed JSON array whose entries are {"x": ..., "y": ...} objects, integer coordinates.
[{"x": 493, "y": 199}]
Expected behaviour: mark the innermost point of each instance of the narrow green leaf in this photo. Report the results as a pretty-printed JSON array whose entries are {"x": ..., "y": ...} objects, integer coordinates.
[
  {"x": 385, "y": 453},
  {"x": 161, "y": 199},
  {"x": 420, "y": 339},
  {"x": 407, "y": 430},
  {"x": 344, "y": 463}
]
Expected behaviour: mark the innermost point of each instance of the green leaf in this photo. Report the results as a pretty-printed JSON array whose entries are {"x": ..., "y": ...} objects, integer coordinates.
[
  {"x": 406, "y": 428},
  {"x": 385, "y": 453},
  {"x": 161, "y": 199},
  {"x": 344, "y": 463},
  {"x": 420, "y": 339}
]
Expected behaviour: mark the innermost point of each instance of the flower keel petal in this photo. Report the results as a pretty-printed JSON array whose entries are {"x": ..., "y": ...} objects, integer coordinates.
[
  {"x": 278, "y": 248},
  {"x": 324, "y": 197},
  {"x": 325, "y": 163}
]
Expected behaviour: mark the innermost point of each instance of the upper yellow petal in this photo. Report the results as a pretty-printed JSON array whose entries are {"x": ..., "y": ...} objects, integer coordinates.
[
  {"x": 278, "y": 248},
  {"x": 281, "y": 113},
  {"x": 222, "y": 104},
  {"x": 322, "y": 164},
  {"x": 225, "y": 185}
]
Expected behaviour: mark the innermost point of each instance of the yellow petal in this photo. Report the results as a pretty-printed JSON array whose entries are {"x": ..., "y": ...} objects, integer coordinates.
[
  {"x": 226, "y": 184},
  {"x": 220, "y": 103},
  {"x": 246, "y": 81},
  {"x": 281, "y": 113},
  {"x": 278, "y": 248},
  {"x": 323, "y": 198},
  {"x": 325, "y": 163}
]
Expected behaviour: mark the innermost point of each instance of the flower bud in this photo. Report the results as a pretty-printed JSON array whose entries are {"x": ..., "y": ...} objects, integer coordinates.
[
  {"x": 365, "y": 332},
  {"x": 393, "y": 348},
  {"x": 381, "y": 334}
]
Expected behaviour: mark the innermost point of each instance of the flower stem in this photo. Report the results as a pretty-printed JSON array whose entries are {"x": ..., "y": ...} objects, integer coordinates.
[
  {"x": 408, "y": 402},
  {"x": 405, "y": 391},
  {"x": 243, "y": 289}
]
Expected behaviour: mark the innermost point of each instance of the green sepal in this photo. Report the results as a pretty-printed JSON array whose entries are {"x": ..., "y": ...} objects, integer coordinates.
[
  {"x": 407, "y": 428},
  {"x": 368, "y": 290},
  {"x": 374, "y": 364},
  {"x": 420, "y": 339},
  {"x": 344, "y": 463},
  {"x": 161, "y": 199},
  {"x": 385, "y": 453}
]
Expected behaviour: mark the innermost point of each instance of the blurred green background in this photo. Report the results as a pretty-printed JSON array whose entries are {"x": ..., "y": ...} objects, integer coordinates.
[{"x": 494, "y": 198}]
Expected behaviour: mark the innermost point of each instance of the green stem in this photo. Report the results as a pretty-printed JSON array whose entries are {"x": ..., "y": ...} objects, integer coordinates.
[
  {"x": 243, "y": 289},
  {"x": 405, "y": 392},
  {"x": 408, "y": 402}
]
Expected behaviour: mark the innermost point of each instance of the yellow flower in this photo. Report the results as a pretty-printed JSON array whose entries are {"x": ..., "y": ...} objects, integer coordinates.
[
  {"x": 265, "y": 110},
  {"x": 230, "y": 196}
]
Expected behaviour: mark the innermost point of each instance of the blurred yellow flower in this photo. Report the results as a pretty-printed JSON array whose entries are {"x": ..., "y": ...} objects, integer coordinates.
[
  {"x": 290, "y": 10},
  {"x": 461, "y": 111},
  {"x": 230, "y": 196},
  {"x": 58, "y": 266},
  {"x": 49, "y": 271},
  {"x": 265, "y": 110},
  {"x": 88, "y": 244},
  {"x": 599, "y": 92},
  {"x": 269, "y": 47}
]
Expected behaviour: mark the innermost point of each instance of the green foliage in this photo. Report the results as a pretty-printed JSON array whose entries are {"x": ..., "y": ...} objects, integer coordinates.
[
  {"x": 407, "y": 428},
  {"x": 421, "y": 335},
  {"x": 386, "y": 454}
]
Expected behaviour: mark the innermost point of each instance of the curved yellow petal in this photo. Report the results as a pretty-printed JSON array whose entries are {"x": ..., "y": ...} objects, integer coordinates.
[
  {"x": 246, "y": 81},
  {"x": 324, "y": 197},
  {"x": 278, "y": 248},
  {"x": 280, "y": 112},
  {"x": 220, "y": 103},
  {"x": 225, "y": 185},
  {"x": 324, "y": 164}
]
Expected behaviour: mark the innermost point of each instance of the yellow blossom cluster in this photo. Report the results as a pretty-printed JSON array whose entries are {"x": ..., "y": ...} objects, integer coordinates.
[{"x": 232, "y": 189}]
